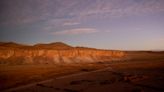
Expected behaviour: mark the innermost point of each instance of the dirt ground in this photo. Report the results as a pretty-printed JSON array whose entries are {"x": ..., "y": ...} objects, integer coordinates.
[
  {"x": 138, "y": 74},
  {"x": 16, "y": 75}
]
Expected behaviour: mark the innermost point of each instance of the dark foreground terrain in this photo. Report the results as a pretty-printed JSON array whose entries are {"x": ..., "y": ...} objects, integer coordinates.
[{"x": 140, "y": 72}]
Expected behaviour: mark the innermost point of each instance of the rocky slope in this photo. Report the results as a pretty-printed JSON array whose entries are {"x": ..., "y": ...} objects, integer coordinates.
[{"x": 53, "y": 53}]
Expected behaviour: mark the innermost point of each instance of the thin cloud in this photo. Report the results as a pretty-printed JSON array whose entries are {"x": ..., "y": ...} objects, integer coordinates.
[
  {"x": 76, "y": 31},
  {"x": 70, "y": 23},
  {"x": 119, "y": 8},
  {"x": 20, "y": 12}
]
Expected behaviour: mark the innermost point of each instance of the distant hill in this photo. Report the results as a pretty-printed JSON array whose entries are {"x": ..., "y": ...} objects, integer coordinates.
[
  {"x": 11, "y": 45},
  {"x": 55, "y": 45}
]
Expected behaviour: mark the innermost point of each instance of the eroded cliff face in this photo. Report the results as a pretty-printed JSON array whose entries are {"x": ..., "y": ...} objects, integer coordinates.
[{"x": 56, "y": 56}]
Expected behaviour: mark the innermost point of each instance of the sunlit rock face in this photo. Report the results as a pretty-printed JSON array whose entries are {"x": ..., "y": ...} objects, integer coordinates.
[{"x": 54, "y": 53}]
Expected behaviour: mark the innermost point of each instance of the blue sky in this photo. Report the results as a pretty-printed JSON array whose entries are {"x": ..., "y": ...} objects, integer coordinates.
[{"x": 106, "y": 24}]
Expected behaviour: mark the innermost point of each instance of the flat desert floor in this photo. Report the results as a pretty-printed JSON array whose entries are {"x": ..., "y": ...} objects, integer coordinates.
[{"x": 143, "y": 72}]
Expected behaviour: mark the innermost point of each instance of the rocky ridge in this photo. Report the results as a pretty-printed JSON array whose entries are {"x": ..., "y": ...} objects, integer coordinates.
[{"x": 54, "y": 53}]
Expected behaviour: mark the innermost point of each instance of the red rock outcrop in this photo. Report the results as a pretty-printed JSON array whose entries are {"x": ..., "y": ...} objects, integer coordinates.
[{"x": 54, "y": 53}]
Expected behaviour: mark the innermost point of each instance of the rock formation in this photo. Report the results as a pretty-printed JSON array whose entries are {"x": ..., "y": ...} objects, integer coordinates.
[{"x": 53, "y": 53}]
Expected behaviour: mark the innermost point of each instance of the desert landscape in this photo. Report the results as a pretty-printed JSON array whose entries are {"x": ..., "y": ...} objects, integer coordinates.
[
  {"x": 99, "y": 71},
  {"x": 81, "y": 45}
]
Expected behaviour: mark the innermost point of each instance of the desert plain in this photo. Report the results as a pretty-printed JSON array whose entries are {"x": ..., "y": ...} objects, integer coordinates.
[{"x": 135, "y": 71}]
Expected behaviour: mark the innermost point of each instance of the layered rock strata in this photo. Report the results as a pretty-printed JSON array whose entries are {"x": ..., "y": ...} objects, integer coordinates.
[{"x": 36, "y": 55}]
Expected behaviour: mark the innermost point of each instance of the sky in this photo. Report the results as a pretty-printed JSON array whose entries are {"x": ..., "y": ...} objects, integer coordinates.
[{"x": 104, "y": 24}]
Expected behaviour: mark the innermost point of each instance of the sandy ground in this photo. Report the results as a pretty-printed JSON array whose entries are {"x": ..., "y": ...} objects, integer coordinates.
[
  {"x": 114, "y": 78},
  {"x": 12, "y": 76}
]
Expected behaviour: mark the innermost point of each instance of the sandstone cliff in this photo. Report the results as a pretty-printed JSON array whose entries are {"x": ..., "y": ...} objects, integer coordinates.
[{"x": 11, "y": 53}]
